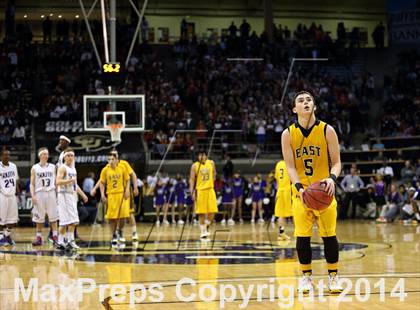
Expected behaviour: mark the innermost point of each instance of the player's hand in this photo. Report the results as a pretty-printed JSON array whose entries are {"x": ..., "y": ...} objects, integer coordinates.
[
  {"x": 85, "y": 198},
  {"x": 330, "y": 186},
  {"x": 103, "y": 198},
  {"x": 301, "y": 191},
  {"x": 73, "y": 181},
  {"x": 126, "y": 194},
  {"x": 93, "y": 192},
  {"x": 136, "y": 191},
  {"x": 193, "y": 195},
  {"x": 34, "y": 200}
]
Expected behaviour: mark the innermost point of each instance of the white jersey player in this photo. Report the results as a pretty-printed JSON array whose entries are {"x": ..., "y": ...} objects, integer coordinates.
[
  {"x": 63, "y": 144},
  {"x": 44, "y": 197},
  {"x": 67, "y": 190},
  {"x": 8, "y": 203}
]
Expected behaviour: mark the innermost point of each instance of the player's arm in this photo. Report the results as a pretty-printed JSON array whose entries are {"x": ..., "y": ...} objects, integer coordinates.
[
  {"x": 192, "y": 181},
  {"x": 102, "y": 184},
  {"x": 133, "y": 177},
  {"x": 214, "y": 171},
  {"x": 81, "y": 193},
  {"x": 61, "y": 174},
  {"x": 95, "y": 188},
  {"x": 334, "y": 152},
  {"x": 286, "y": 147},
  {"x": 32, "y": 187},
  {"x": 127, "y": 185}
]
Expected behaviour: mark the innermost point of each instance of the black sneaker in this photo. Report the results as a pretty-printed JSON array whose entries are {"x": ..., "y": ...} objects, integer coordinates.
[{"x": 60, "y": 246}]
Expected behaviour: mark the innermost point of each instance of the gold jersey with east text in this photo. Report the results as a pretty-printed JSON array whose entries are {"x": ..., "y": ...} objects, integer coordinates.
[
  {"x": 282, "y": 177},
  {"x": 310, "y": 152},
  {"x": 115, "y": 179},
  {"x": 205, "y": 177}
]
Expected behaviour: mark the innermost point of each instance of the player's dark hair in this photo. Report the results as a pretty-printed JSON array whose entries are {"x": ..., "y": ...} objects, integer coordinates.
[
  {"x": 301, "y": 93},
  {"x": 69, "y": 149}
]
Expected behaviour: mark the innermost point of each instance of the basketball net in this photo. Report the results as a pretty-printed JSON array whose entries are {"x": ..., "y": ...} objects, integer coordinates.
[{"x": 115, "y": 130}]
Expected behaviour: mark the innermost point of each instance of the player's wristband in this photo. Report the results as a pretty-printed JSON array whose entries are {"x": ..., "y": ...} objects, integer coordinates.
[
  {"x": 333, "y": 177},
  {"x": 299, "y": 186}
]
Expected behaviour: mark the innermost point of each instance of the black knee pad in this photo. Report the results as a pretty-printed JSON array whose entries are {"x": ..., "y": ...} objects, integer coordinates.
[
  {"x": 303, "y": 247},
  {"x": 331, "y": 249}
]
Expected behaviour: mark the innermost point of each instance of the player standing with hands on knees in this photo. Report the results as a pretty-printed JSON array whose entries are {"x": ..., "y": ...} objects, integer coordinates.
[
  {"x": 202, "y": 177},
  {"x": 311, "y": 152},
  {"x": 67, "y": 190}
]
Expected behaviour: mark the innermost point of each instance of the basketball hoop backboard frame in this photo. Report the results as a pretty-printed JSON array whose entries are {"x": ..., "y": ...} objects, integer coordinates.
[{"x": 117, "y": 98}]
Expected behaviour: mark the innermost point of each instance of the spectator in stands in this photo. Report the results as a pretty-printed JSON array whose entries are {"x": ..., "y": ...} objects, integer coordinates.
[
  {"x": 407, "y": 173},
  {"x": 378, "y": 145},
  {"x": 47, "y": 29},
  {"x": 232, "y": 30},
  {"x": 351, "y": 184},
  {"x": 88, "y": 183},
  {"x": 228, "y": 168},
  {"x": 378, "y": 36},
  {"x": 19, "y": 135},
  {"x": 387, "y": 173},
  {"x": 245, "y": 28},
  {"x": 144, "y": 29},
  {"x": 75, "y": 28},
  {"x": 184, "y": 29},
  {"x": 379, "y": 190},
  {"x": 418, "y": 170},
  {"x": 390, "y": 210},
  {"x": 410, "y": 210}
]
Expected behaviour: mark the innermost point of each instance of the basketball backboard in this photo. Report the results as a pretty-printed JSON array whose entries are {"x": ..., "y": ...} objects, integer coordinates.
[{"x": 102, "y": 110}]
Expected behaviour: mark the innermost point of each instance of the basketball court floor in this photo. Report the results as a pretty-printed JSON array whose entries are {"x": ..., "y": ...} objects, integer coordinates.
[{"x": 243, "y": 267}]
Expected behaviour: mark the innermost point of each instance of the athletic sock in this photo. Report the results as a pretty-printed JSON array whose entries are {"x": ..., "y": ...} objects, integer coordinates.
[
  {"x": 7, "y": 232},
  {"x": 39, "y": 234},
  {"x": 202, "y": 228},
  {"x": 70, "y": 237},
  {"x": 134, "y": 229},
  {"x": 54, "y": 233},
  {"x": 60, "y": 238}
]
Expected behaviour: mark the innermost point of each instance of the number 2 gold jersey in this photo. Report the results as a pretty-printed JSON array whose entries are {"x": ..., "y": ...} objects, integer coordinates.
[
  {"x": 312, "y": 158},
  {"x": 205, "y": 177},
  {"x": 115, "y": 179}
]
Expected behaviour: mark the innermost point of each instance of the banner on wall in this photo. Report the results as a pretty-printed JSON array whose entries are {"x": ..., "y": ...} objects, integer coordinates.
[
  {"x": 404, "y": 21},
  {"x": 91, "y": 148}
]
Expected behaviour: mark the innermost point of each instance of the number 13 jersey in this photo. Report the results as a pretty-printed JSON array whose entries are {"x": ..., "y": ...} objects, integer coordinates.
[
  {"x": 205, "y": 176},
  {"x": 44, "y": 177},
  {"x": 310, "y": 152}
]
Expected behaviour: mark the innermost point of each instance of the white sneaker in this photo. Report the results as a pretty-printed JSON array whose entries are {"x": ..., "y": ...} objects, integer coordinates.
[
  {"x": 241, "y": 221},
  {"x": 283, "y": 237},
  {"x": 252, "y": 221},
  {"x": 273, "y": 219},
  {"x": 73, "y": 245},
  {"x": 231, "y": 222},
  {"x": 157, "y": 223},
  {"x": 135, "y": 237},
  {"x": 195, "y": 222},
  {"x": 207, "y": 222},
  {"x": 121, "y": 239},
  {"x": 261, "y": 221},
  {"x": 305, "y": 284},
  {"x": 334, "y": 285},
  {"x": 204, "y": 235},
  {"x": 173, "y": 222},
  {"x": 180, "y": 222},
  {"x": 114, "y": 242},
  {"x": 223, "y": 222},
  {"x": 166, "y": 223}
]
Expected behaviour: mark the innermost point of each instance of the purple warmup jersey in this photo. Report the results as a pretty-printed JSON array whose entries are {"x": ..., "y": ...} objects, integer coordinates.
[
  {"x": 180, "y": 188},
  {"x": 256, "y": 192},
  {"x": 170, "y": 193},
  {"x": 188, "y": 198},
  {"x": 160, "y": 196},
  {"x": 227, "y": 193},
  {"x": 238, "y": 187}
]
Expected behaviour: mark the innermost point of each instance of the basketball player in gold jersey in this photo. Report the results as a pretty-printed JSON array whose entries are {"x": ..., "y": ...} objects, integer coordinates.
[
  {"x": 283, "y": 207},
  {"x": 202, "y": 177},
  {"x": 311, "y": 152}
]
